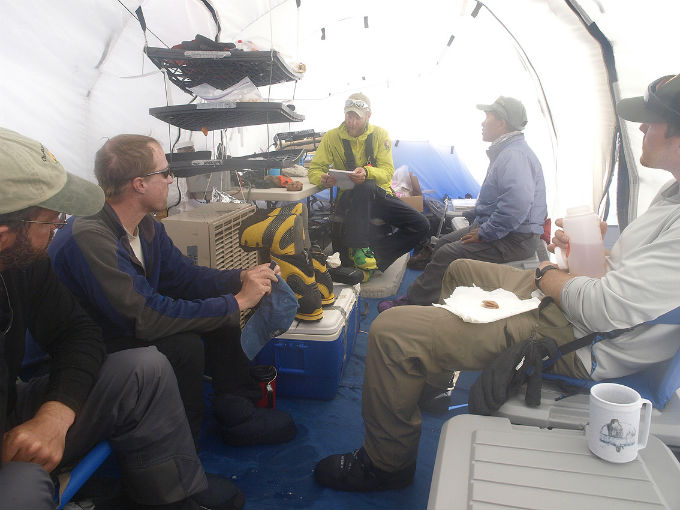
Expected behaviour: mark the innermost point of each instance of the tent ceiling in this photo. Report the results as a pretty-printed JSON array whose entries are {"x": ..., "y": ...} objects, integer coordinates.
[{"x": 75, "y": 73}]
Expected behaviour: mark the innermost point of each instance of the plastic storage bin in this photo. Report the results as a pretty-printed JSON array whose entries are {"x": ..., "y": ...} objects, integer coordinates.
[{"x": 311, "y": 356}]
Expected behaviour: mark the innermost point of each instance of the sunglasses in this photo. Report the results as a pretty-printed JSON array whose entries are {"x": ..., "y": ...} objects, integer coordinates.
[
  {"x": 358, "y": 103},
  {"x": 56, "y": 224},
  {"x": 6, "y": 315},
  {"x": 657, "y": 104},
  {"x": 165, "y": 173}
]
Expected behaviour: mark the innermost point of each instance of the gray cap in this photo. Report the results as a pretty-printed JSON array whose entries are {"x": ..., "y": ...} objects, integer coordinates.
[
  {"x": 509, "y": 109},
  {"x": 661, "y": 102},
  {"x": 30, "y": 175}
]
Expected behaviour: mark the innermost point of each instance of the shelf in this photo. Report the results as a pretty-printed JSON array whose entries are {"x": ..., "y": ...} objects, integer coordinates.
[
  {"x": 260, "y": 161},
  {"x": 225, "y": 114},
  {"x": 222, "y": 69}
]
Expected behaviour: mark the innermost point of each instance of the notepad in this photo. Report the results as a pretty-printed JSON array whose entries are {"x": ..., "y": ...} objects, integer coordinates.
[{"x": 342, "y": 177}]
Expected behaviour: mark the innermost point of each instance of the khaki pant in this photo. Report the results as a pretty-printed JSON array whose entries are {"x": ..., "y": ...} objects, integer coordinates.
[{"x": 411, "y": 345}]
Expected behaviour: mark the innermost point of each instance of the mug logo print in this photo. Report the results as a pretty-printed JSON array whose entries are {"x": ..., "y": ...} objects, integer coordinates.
[{"x": 618, "y": 434}]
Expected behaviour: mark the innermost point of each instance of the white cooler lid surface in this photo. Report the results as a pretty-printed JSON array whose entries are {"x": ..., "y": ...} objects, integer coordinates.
[{"x": 486, "y": 462}]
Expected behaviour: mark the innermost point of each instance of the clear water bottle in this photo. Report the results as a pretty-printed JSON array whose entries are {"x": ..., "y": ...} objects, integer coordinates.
[{"x": 585, "y": 254}]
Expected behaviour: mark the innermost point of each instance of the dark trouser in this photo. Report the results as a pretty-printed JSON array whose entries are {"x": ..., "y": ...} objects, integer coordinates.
[
  {"x": 136, "y": 406},
  {"x": 367, "y": 216},
  {"x": 426, "y": 288},
  {"x": 223, "y": 357}
]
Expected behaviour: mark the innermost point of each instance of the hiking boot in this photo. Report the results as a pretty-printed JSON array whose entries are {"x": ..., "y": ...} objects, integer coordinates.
[
  {"x": 363, "y": 258},
  {"x": 391, "y": 303},
  {"x": 298, "y": 271},
  {"x": 243, "y": 424},
  {"x": 355, "y": 472},
  {"x": 280, "y": 230},
  {"x": 366, "y": 274},
  {"x": 323, "y": 279},
  {"x": 347, "y": 275},
  {"x": 220, "y": 494},
  {"x": 422, "y": 258}
]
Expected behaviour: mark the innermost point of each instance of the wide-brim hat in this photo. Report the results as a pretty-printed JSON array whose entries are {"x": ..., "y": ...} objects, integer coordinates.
[{"x": 30, "y": 175}]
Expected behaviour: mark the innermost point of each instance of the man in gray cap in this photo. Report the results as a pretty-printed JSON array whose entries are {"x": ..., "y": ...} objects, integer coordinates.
[
  {"x": 130, "y": 398},
  {"x": 412, "y": 344},
  {"x": 510, "y": 211},
  {"x": 383, "y": 227}
]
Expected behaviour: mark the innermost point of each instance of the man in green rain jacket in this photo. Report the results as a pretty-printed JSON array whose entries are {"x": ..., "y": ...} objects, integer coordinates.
[{"x": 371, "y": 226}]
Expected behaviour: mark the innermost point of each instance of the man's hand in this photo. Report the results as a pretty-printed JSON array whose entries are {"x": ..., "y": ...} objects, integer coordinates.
[
  {"x": 41, "y": 439},
  {"x": 471, "y": 237},
  {"x": 328, "y": 180},
  {"x": 561, "y": 239},
  {"x": 358, "y": 175},
  {"x": 255, "y": 283}
]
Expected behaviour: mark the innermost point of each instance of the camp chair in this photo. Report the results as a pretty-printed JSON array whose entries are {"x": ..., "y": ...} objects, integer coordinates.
[
  {"x": 660, "y": 383},
  {"x": 71, "y": 482},
  {"x": 541, "y": 253}
]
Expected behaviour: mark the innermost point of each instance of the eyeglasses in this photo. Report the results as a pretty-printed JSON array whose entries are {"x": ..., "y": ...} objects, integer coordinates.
[
  {"x": 56, "y": 224},
  {"x": 652, "y": 100},
  {"x": 165, "y": 173},
  {"x": 358, "y": 103},
  {"x": 6, "y": 316}
]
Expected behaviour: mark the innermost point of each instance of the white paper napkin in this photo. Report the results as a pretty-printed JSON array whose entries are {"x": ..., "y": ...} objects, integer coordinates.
[{"x": 466, "y": 303}]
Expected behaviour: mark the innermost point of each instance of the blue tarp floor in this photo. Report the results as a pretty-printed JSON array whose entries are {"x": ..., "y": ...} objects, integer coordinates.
[{"x": 281, "y": 476}]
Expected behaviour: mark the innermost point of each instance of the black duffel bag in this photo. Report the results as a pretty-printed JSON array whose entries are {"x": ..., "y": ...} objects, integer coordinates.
[{"x": 521, "y": 363}]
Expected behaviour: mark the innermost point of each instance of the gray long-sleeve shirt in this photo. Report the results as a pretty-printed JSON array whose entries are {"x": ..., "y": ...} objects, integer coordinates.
[{"x": 642, "y": 283}]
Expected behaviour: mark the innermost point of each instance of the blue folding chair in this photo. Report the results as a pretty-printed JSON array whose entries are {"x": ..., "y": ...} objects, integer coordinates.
[
  {"x": 70, "y": 483},
  {"x": 660, "y": 383}
]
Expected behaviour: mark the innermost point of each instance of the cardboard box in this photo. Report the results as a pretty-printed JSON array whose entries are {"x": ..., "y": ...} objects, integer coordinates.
[
  {"x": 415, "y": 202},
  {"x": 311, "y": 356}
]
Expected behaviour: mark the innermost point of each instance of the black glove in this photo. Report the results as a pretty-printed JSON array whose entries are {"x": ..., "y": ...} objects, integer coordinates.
[{"x": 520, "y": 363}]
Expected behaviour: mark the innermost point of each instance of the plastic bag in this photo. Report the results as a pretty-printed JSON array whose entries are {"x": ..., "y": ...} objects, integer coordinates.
[{"x": 243, "y": 91}]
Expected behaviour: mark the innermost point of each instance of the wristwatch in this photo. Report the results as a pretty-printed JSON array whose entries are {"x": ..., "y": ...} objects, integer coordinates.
[{"x": 541, "y": 272}]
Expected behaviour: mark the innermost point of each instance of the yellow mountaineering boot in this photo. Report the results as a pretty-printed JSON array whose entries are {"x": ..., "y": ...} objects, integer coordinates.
[
  {"x": 298, "y": 272},
  {"x": 323, "y": 279},
  {"x": 280, "y": 230}
]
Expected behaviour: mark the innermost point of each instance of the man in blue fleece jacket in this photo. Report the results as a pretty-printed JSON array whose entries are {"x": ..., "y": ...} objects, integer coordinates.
[{"x": 137, "y": 285}]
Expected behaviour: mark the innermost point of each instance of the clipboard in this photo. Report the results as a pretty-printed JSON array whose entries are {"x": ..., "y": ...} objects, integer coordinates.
[{"x": 342, "y": 178}]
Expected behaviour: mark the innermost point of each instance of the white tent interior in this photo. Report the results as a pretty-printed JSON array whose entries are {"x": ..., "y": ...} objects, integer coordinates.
[{"x": 75, "y": 73}]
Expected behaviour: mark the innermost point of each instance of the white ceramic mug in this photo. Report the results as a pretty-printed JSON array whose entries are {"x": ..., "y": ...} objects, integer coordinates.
[{"x": 618, "y": 426}]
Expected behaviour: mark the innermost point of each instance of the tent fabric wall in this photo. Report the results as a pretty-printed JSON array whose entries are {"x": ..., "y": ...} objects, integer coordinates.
[{"x": 75, "y": 73}]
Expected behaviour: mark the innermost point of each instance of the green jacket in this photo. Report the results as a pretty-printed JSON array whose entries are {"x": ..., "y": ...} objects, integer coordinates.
[{"x": 331, "y": 152}]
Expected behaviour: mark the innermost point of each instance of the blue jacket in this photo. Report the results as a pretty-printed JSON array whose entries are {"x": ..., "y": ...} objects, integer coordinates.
[
  {"x": 93, "y": 258},
  {"x": 512, "y": 197}
]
